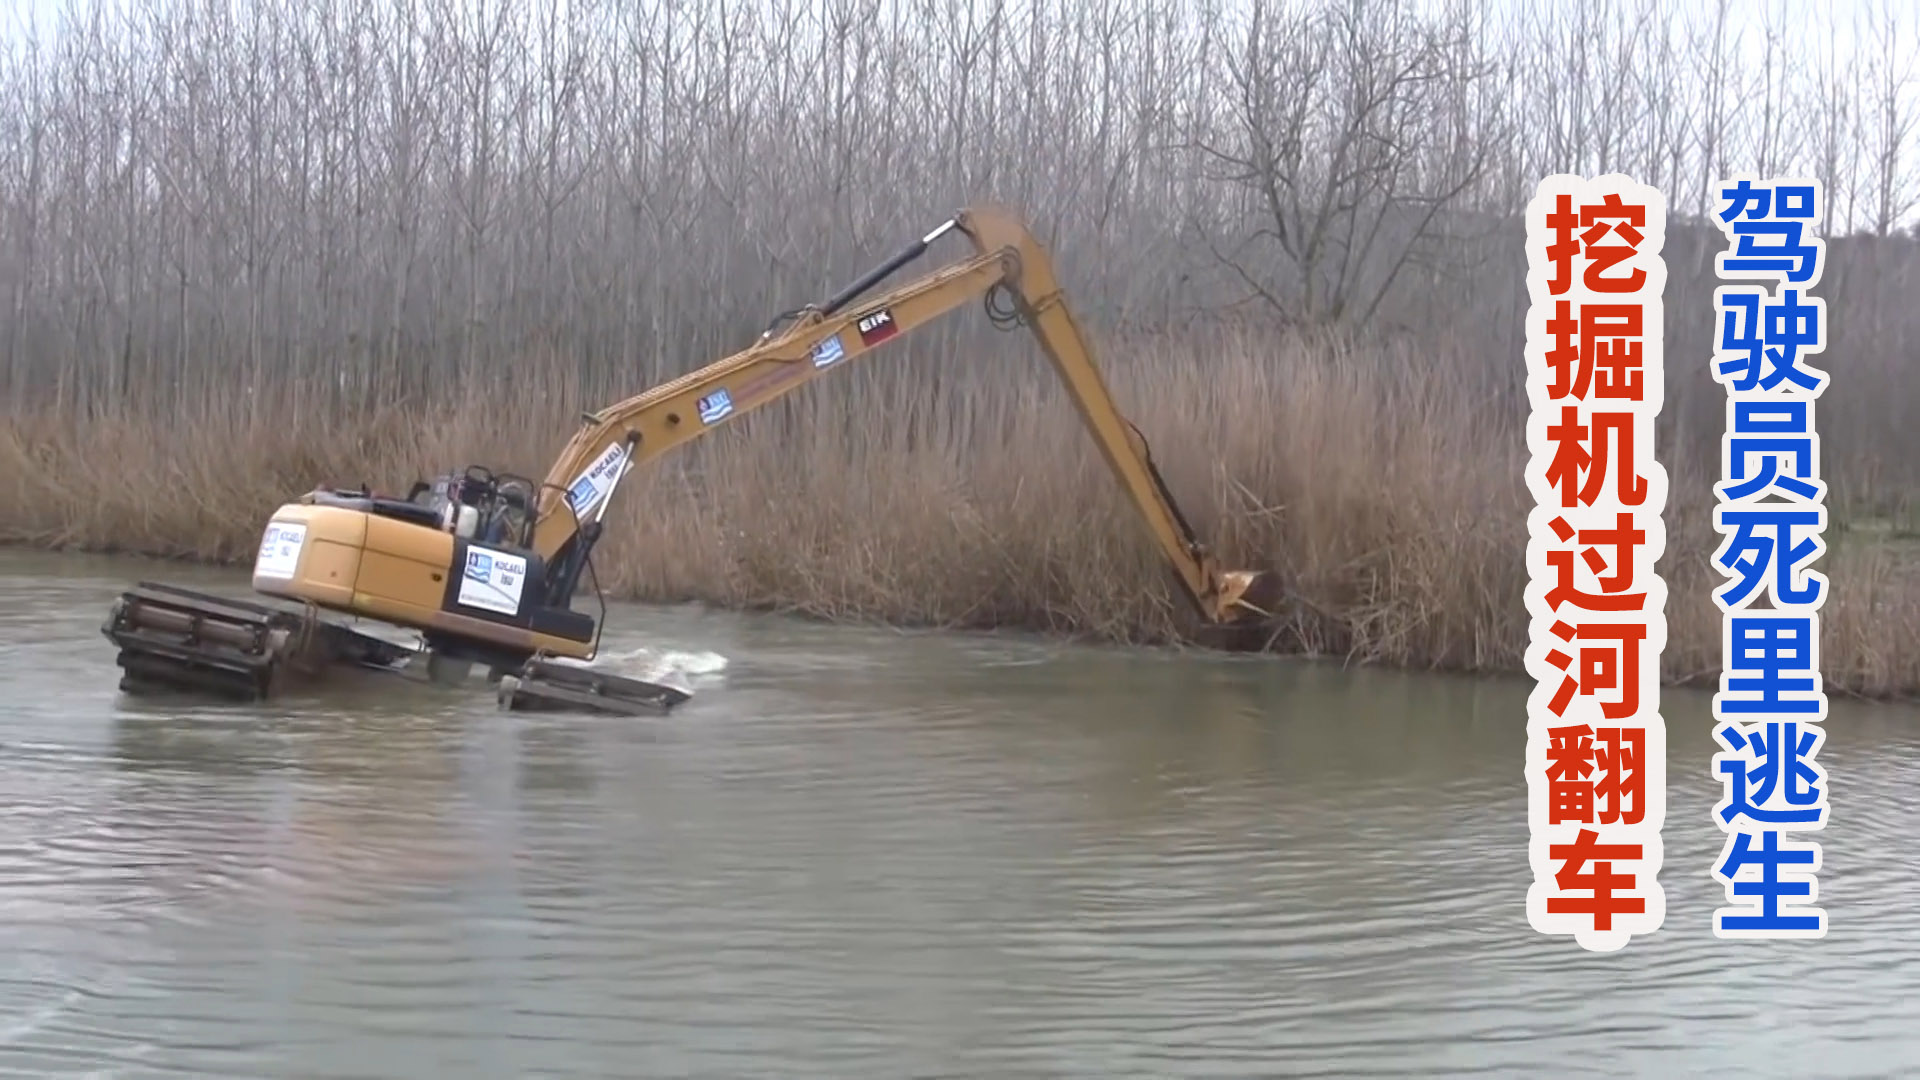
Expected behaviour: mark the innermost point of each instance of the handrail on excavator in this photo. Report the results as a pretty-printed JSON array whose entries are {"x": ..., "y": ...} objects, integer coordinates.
[{"x": 1008, "y": 267}]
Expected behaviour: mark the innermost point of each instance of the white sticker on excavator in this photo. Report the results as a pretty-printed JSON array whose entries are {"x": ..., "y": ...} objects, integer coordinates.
[
  {"x": 493, "y": 580},
  {"x": 594, "y": 484},
  {"x": 280, "y": 547}
]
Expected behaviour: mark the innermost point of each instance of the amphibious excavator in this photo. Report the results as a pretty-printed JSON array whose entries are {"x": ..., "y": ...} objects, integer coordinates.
[{"x": 484, "y": 567}]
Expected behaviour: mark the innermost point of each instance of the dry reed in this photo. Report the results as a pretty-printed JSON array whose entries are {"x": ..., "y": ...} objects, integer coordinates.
[
  {"x": 246, "y": 249},
  {"x": 1388, "y": 500}
]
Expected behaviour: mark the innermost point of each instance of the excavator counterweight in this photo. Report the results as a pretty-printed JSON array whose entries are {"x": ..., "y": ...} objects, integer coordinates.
[{"x": 485, "y": 567}]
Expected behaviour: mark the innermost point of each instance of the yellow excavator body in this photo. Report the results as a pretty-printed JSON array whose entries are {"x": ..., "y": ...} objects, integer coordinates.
[
  {"x": 360, "y": 563},
  {"x": 485, "y": 567}
]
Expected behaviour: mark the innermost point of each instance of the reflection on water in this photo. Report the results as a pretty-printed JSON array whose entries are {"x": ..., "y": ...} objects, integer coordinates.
[{"x": 865, "y": 853}]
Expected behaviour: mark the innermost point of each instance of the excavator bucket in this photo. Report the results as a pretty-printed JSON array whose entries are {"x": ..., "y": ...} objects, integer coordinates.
[{"x": 173, "y": 639}]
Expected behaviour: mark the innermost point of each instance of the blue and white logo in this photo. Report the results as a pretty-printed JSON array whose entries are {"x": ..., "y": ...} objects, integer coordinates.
[
  {"x": 715, "y": 406},
  {"x": 279, "y": 555},
  {"x": 597, "y": 481},
  {"x": 828, "y": 351},
  {"x": 493, "y": 580}
]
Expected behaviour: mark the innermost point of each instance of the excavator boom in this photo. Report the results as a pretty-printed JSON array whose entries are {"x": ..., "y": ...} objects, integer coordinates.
[
  {"x": 485, "y": 567},
  {"x": 1008, "y": 264}
]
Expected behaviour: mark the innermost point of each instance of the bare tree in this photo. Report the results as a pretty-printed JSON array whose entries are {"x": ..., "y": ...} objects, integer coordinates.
[
  {"x": 1341, "y": 148},
  {"x": 1891, "y": 75},
  {"x": 367, "y": 202}
]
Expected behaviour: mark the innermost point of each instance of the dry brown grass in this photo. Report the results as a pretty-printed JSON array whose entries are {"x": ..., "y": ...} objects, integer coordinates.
[
  {"x": 225, "y": 230},
  {"x": 1388, "y": 496}
]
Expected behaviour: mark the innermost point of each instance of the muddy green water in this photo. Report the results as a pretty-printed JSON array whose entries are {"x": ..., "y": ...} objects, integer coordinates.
[{"x": 860, "y": 853}]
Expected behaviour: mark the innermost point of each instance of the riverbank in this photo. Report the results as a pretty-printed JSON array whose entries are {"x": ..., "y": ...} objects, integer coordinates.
[{"x": 1387, "y": 497}]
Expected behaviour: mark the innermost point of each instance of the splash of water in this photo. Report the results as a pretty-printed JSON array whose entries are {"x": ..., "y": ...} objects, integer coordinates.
[{"x": 668, "y": 667}]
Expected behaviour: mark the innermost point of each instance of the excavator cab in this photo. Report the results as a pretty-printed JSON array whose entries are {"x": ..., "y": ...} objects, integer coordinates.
[{"x": 478, "y": 506}]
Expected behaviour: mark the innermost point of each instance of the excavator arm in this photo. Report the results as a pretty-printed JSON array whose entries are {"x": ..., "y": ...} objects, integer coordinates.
[{"x": 1009, "y": 265}]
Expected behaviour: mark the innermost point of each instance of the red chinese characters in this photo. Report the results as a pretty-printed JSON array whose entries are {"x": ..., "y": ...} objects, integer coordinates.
[
  {"x": 1596, "y": 783},
  {"x": 1596, "y": 746}
]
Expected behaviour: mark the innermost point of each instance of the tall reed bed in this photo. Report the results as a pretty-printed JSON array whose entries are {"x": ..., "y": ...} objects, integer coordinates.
[
  {"x": 1388, "y": 500},
  {"x": 246, "y": 248}
]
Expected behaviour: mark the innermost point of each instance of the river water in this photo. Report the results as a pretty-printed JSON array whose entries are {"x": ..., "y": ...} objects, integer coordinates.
[{"x": 862, "y": 853}]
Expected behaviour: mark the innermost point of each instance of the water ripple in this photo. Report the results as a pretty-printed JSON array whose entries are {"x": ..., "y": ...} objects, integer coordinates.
[{"x": 869, "y": 854}]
